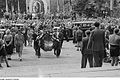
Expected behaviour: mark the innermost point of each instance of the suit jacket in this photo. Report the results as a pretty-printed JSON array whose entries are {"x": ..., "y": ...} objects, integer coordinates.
[
  {"x": 97, "y": 40},
  {"x": 84, "y": 48}
]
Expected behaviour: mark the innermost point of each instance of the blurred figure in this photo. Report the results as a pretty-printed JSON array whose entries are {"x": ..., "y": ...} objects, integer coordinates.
[
  {"x": 25, "y": 36},
  {"x": 29, "y": 38},
  {"x": 8, "y": 39},
  {"x": 74, "y": 34},
  {"x": 3, "y": 52},
  {"x": 35, "y": 42},
  {"x": 79, "y": 35},
  {"x": 114, "y": 41},
  {"x": 19, "y": 41},
  {"x": 97, "y": 44},
  {"x": 86, "y": 53}
]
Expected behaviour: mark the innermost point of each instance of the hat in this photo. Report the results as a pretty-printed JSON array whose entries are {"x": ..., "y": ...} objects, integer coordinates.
[{"x": 87, "y": 32}]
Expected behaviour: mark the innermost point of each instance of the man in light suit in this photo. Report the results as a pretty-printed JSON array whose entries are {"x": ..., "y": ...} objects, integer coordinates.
[{"x": 97, "y": 44}]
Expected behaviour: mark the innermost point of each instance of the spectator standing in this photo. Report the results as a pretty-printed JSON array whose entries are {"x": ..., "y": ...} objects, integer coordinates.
[
  {"x": 74, "y": 34},
  {"x": 79, "y": 35},
  {"x": 25, "y": 36},
  {"x": 19, "y": 41},
  {"x": 35, "y": 42},
  {"x": 86, "y": 53},
  {"x": 97, "y": 44},
  {"x": 114, "y": 41}
]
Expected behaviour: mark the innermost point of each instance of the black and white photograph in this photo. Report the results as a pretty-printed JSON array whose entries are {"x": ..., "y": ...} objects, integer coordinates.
[{"x": 59, "y": 39}]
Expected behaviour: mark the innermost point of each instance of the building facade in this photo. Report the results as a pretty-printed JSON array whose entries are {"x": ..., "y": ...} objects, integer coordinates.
[{"x": 35, "y": 6}]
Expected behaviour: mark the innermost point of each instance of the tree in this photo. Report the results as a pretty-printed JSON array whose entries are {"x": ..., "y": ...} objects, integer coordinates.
[
  {"x": 115, "y": 4},
  {"x": 79, "y": 7}
]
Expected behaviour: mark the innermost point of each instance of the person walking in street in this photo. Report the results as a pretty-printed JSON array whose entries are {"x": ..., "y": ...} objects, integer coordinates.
[
  {"x": 74, "y": 35},
  {"x": 19, "y": 42},
  {"x": 79, "y": 35},
  {"x": 3, "y": 52},
  {"x": 86, "y": 53},
  {"x": 97, "y": 44},
  {"x": 29, "y": 37},
  {"x": 114, "y": 41},
  {"x": 8, "y": 39},
  {"x": 25, "y": 34},
  {"x": 35, "y": 42}
]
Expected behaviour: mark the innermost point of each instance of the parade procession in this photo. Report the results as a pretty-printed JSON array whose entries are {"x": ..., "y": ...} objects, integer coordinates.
[{"x": 59, "y": 38}]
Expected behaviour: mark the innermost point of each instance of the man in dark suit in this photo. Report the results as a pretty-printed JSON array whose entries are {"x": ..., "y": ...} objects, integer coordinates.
[
  {"x": 97, "y": 44},
  {"x": 86, "y": 53}
]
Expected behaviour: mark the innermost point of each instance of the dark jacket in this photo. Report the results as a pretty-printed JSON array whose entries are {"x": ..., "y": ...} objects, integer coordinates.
[
  {"x": 84, "y": 46},
  {"x": 97, "y": 40}
]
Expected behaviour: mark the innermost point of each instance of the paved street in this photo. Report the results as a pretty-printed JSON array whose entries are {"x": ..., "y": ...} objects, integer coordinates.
[{"x": 68, "y": 65}]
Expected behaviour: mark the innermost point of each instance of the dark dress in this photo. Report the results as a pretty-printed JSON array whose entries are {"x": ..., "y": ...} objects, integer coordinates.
[
  {"x": 9, "y": 48},
  {"x": 114, "y": 51},
  {"x": 2, "y": 49}
]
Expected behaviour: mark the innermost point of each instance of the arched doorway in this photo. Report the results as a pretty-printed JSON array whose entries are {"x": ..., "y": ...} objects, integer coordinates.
[{"x": 38, "y": 6}]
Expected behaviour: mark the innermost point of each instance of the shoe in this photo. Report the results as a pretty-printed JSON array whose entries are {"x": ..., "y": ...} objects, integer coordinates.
[
  {"x": 77, "y": 49},
  {"x": 38, "y": 56},
  {"x": 9, "y": 59},
  {"x": 8, "y": 66},
  {"x": 1, "y": 66},
  {"x": 20, "y": 59}
]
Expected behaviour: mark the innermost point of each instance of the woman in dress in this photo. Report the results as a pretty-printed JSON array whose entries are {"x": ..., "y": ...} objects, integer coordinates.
[
  {"x": 8, "y": 39},
  {"x": 3, "y": 52}
]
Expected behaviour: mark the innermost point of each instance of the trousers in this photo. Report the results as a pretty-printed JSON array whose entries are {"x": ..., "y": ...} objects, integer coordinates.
[
  {"x": 86, "y": 57},
  {"x": 98, "y": 58}
]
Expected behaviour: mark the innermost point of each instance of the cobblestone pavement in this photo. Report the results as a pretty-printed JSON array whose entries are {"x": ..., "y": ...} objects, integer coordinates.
[{"x": 67, "y": 65}]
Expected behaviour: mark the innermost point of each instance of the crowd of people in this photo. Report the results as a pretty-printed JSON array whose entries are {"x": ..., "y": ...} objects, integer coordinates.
[
  {"x": 99, "y": 42},
  {"x": 14, "y": 38}
]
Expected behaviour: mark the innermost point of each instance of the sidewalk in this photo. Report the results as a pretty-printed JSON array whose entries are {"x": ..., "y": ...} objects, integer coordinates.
[
  {"x": 36, "y": 71},
  {"x": 88, "y": 72}
]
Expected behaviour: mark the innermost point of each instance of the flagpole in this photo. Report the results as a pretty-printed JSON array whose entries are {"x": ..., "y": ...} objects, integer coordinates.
[
  {"x": 12, "y": 6},
  {"x": 58, "y": 6},
  {"x": 18, "y": 7},
  {"x": 111, "y": 4},
  {"x": 111, "y": 7},
  {"x": 6, "y": 6}
]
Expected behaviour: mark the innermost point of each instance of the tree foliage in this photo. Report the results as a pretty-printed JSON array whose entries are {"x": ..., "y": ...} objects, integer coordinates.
[
  {"x": 84, "y": 6},
  {"x": 79, "y": 7}
]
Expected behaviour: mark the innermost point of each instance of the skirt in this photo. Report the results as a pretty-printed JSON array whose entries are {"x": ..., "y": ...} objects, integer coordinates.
[
  {"x": 3, "y": 52},
  {"x": 114, "y": 51},
  {"x": 9, "y": 49}
]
